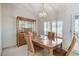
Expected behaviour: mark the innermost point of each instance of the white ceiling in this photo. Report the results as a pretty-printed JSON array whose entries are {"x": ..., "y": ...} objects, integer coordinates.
[
  {"x": 53, "y": 9},
  {"x": 35, "y": 8}
]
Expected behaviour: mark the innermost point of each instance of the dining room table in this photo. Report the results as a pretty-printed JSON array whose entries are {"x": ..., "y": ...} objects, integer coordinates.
[{"x": 45, "y": 43}]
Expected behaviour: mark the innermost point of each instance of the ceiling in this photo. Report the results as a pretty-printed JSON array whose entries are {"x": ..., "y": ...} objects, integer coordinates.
[{"x": 52, "y": 9}]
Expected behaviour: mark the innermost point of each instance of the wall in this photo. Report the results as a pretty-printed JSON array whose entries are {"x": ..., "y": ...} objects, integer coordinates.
[
  {"x": 0, "y": 32},
  {"x": 10, "y": 11},
  {"x": 66, "y": 30}
]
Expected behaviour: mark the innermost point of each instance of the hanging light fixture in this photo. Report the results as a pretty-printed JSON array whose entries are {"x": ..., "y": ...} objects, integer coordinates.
[{"x": 42, "y": 13}]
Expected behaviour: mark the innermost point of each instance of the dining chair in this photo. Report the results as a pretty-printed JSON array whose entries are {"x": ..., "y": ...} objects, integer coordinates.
[
  {"x": 62, "y": 52},
  {"x": 31, "y": 47},
  {"x": 51, "y": 35},
  {"x": 34, "y": 34}
]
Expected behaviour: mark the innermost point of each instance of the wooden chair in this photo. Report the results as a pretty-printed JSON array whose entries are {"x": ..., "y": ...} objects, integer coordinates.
[
  {"x": 31, "y": 47},
  {"x": 34, "y": 34},
  {"x": 61, "y": 52},
  {"x": 51, "y": 35}
]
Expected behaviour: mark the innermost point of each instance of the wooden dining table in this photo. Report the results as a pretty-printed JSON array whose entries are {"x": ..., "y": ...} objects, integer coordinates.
[{"x": 44, "y": 42}]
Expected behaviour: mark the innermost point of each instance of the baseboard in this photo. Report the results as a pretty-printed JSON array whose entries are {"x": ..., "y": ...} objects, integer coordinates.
[{"x": 9, "y": 47}]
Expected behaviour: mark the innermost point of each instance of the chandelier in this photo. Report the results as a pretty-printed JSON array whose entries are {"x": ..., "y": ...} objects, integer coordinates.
[{"x": 42, "y": 13}]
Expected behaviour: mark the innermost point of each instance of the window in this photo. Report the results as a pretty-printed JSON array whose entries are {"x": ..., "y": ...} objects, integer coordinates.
[
  {"x": 54, "y": 26},
  {"x": 47, "y": 27},
  {"x": 75, "y": 21},
  {"x": 60, "y": 28},
  {"x": 76, "y": 26}
]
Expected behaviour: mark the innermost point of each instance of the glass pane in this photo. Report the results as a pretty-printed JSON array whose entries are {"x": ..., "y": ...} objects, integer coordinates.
[
  {"x": 21, "y": 25},
  {"x": 77, "y": 27},
  {"x": 33, "y": 26},
  {"x": 77, "y": 33},
  {"x": 54, "y": 27},
  {"x": 47, "y": 27},
  {"x": 28, "y": 24},
  {"x": 59, "y": 28}
]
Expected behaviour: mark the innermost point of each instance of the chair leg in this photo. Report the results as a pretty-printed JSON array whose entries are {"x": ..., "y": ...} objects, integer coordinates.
[
  {"x": 27, "y": 52},
  {"x": 33, "y": 54},
  {"x": 61, "y": 45},
  {"x": 50, "y": 52}
]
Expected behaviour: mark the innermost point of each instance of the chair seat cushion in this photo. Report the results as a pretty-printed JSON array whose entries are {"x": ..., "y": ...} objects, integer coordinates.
[{"x": 59, "y": 52}]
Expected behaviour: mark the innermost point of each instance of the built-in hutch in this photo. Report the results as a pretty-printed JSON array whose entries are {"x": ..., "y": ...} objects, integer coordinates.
[{"x": 24, "y": 25}]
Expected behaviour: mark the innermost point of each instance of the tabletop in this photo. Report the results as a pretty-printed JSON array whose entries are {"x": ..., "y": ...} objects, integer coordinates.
[{"x": 45, "y": 42}]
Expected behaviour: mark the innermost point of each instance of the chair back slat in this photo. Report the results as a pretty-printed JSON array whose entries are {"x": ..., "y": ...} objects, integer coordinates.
[
  {"x": 71, "y": 46},
  {"x": 51, "y": 35}
]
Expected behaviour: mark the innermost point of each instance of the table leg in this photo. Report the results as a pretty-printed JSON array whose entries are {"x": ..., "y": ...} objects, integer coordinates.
[{"x": 50, "y": 51}]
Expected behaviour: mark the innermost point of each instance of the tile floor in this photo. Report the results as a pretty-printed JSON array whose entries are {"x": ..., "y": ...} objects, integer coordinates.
[
  {"x": 19, "y": 51},
  {"x": 15, "y": 51},
  {"x": 22, "y": 51}
]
